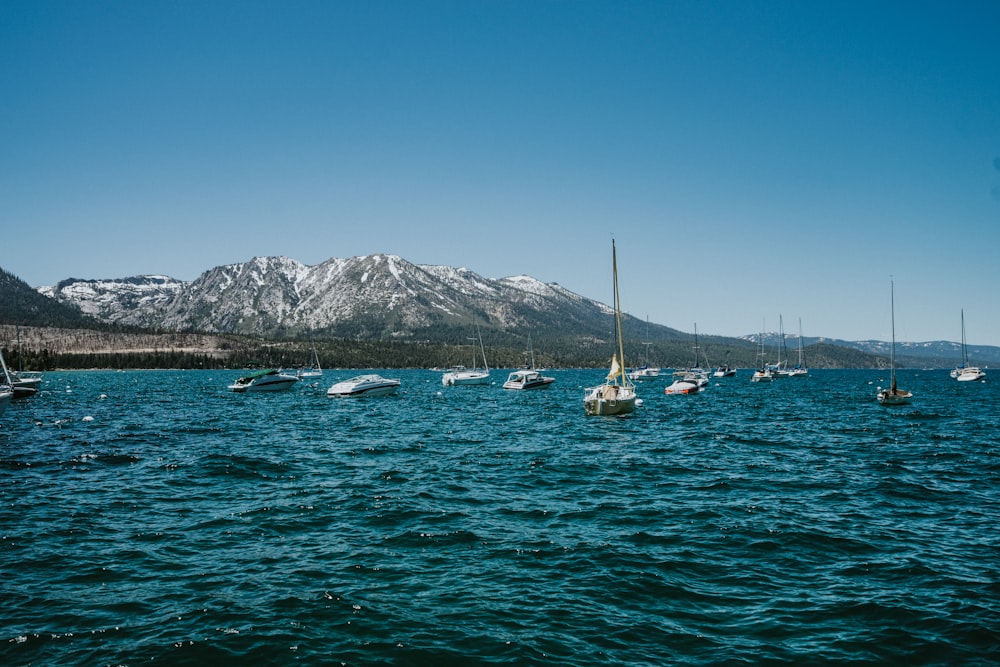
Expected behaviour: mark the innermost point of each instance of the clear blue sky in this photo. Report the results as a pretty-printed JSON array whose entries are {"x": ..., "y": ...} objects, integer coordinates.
[{"x": 751, "y": 159}]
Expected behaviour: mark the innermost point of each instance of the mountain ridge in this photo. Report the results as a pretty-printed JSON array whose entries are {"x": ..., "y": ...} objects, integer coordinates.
[{"x": 385, "y": 297}]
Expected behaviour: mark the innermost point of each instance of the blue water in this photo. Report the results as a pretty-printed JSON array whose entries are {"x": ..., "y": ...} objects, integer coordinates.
[{"x": 153, "y": 517}]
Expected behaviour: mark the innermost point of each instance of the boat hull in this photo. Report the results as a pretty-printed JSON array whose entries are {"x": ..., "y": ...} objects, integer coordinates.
[
  {"x": 521, "y": 380},
  {"x": 267, "y": 382},
  {"x": 275, "y": 385},
  {"x": 897, "y": 397},
  {"x": 465, "y": 378},
  {"x": 363, "y": 386},
  {"x": 682, "y": 388},
  {"x": 609, "y": 400}
]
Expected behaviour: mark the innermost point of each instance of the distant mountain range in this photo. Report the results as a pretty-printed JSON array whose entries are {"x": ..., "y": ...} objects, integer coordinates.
[{"x": 384, "y": 297}]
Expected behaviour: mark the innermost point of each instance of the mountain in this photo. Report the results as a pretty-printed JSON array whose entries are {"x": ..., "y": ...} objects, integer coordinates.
[
  {"x": 116, "y": 300},
  {"x": 386, "y": 298},
  {"x": 22, "y": 305},
  {"x": 374, "y": 297}
]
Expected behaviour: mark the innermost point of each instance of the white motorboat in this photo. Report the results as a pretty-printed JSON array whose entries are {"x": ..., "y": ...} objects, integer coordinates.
[
  {"x": 527, "y": 378},
  {"x": 685, "y": 382},
  {"x": 364, "y": 385},
  {"x": 893, "y": 395},
  {"x": 644, "y": 373},
  {"x": 460, "y": 375},
  {"x": 264, "y": 380},
  {"x": 25, "y": 383},
  {"x": 616, "y": 396},
  {"x": 964, "y": 372},
  {"x": 724, "y": 371}
]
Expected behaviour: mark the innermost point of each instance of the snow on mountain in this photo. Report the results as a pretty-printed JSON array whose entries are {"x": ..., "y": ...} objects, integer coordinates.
[
  {"x": 367, "y": 297},
  {"x": 116, "y": 300}
]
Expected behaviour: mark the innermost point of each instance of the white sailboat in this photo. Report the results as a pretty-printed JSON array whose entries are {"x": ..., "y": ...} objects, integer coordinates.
[
  {"x": 779, "y": 369},
  {"x": 616, "y": 396},
  {"x": 800, "y": 369},
  {"x": 893, "y": 395},
  {"x": 314, "y": 371},
  {"x": 964, "y": 372},
  {"x": 460, "y": 375},
  {"x": 762, "y": 374},
  {"x": 645, "y": 372}
]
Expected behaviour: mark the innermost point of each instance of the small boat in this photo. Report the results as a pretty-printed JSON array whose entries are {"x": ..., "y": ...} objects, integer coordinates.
[
  {"x": 460, "y": 375},
  {"x": 799, "y": 370},
  {"x": 695, "y": 373},
  {"x": 364, "y": 385},
  {"x": 314, "y": 371},
  {"x": 764, "y": 373},
  {"x": 616, "y": 396},
  {"x": 25, "y": 383},
  {"x": 6, "y": 391},
  {"x": 264, "y": 380},
  {"x": 527, "y": 378},
  {"x": 724, "y": 371},
  {"x": 685, "y": 382},
  {"x": 644, "y": 373},
  {"x": 964, "y": 372},
  {"x": 893, "y": 395}
]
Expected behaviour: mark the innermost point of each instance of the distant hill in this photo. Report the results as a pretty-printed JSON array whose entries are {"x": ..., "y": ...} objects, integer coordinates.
[{"x": 21, "y": 304}]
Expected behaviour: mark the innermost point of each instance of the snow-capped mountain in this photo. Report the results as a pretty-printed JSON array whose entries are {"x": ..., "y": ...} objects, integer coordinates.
[
  {"x": 368, "y": 297},
  {"x": 115, "y": 300}
]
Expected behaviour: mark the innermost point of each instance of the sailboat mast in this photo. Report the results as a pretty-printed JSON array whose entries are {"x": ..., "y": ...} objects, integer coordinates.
[
  {"x": 892, "y": 350},
  {"x": 965, "y": 354},
  {"x": 486, "y": 364},
  {"x": 618, "y": 314}
]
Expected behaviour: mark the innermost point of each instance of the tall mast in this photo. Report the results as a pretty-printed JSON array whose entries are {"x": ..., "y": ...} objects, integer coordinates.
[{"x": 618, "y": 313}]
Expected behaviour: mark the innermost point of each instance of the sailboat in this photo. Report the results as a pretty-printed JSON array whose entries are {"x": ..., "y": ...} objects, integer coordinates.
[
  {"x": 616, "y": 396},
  {"x": 779, "y": 369},
  {"x": 693, "y": 379},
  {"x": 314, "y": 371},
  {"x": 645, "y": 372},
  {"x": 964, "y": 372},
  {"x": 460, "y": 375},
  {"x": 893, "y": 395},
  {"x": 800, "y": 369},
  {"x": 762, "y": 374}
]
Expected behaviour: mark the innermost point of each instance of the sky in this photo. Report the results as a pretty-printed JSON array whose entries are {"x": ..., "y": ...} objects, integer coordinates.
[{"x": 751, "y": 160}]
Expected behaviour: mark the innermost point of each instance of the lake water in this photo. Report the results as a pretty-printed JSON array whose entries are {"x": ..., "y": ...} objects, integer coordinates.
[{"x": 153, "y": 517}]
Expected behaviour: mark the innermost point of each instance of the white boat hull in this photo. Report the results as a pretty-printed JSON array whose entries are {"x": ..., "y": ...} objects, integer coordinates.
[
  {"x": 521, "y": 380},
  {"x": 682, "y": 387},
  {"x": 373, "y": 385},
  {"x": 461, "y": 378},
  {"x": 277, "y": 382},
  {"x": 969, "y": 375}
]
